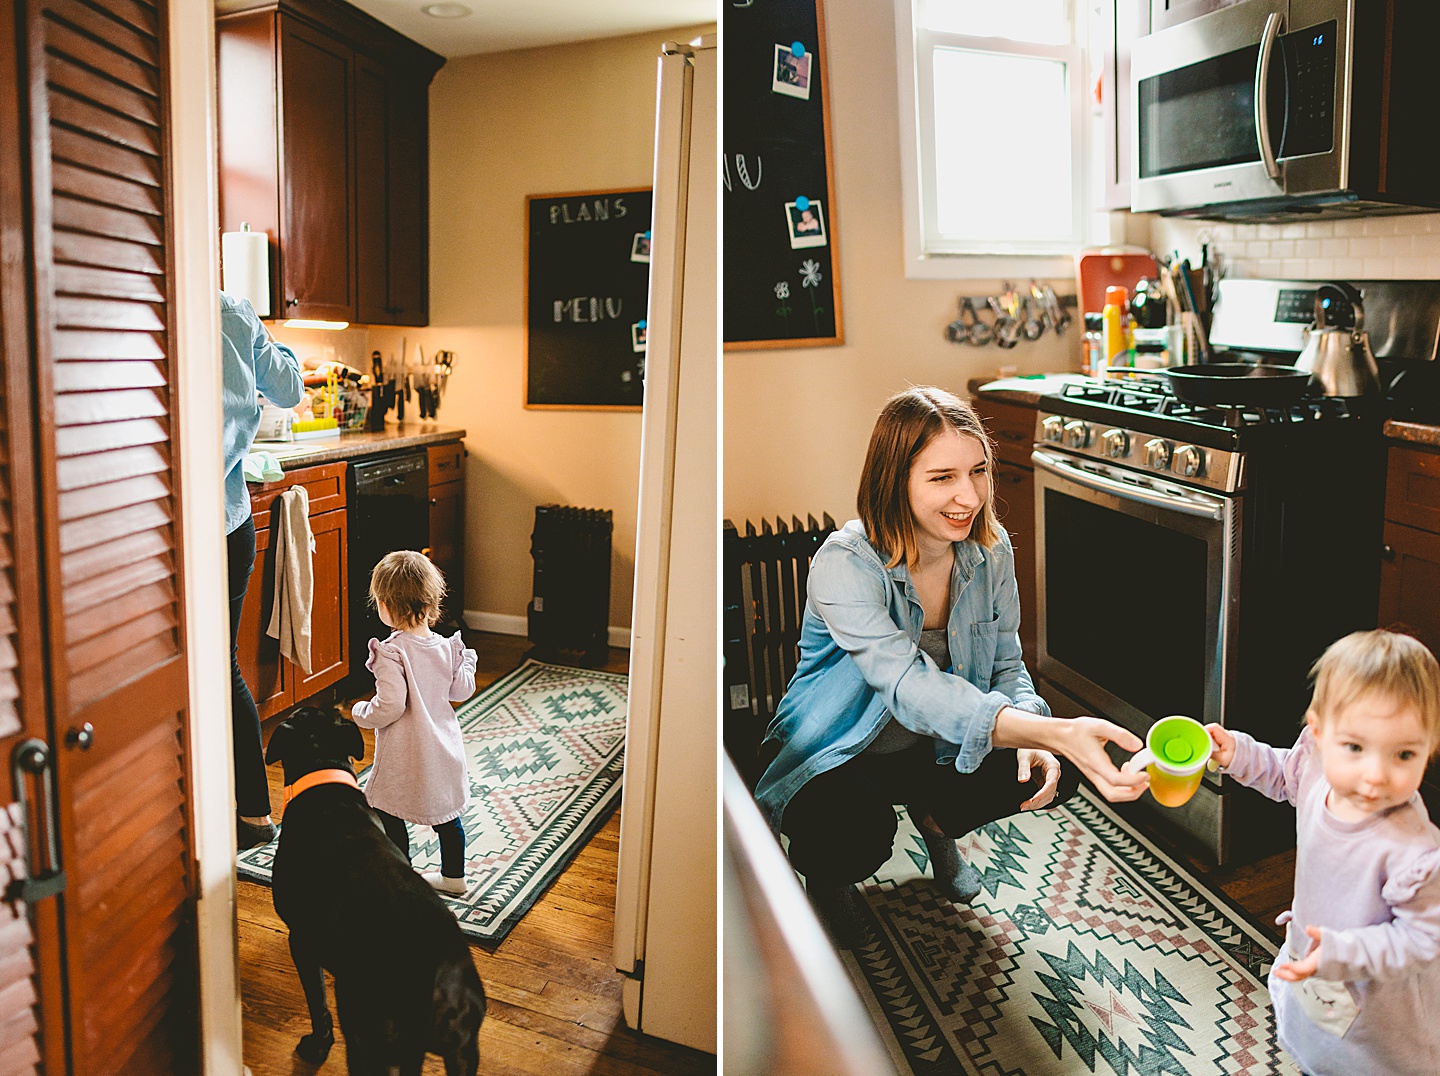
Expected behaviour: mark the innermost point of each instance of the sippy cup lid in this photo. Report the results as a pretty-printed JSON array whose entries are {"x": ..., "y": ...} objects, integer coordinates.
[{"x": 1177, "y": 751}]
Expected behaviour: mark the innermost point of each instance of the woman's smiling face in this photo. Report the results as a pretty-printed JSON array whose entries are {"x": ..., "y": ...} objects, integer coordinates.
[{"x": 949, "y": 484}]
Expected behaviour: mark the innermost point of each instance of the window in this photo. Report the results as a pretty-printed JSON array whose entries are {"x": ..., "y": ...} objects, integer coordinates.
[{"x": 991, "y": 137}]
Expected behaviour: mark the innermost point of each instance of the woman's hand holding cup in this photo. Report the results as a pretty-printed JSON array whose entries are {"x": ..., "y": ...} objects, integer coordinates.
[{"x": 1086, "y": 738}]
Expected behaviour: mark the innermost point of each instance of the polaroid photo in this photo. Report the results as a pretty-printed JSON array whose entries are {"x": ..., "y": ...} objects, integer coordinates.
[
  {"x": 792, "y": 73},
  {"x": 640, "y": 247},
  {"x": 637, "y": 336},
  {"x": 807, "y": 226}
]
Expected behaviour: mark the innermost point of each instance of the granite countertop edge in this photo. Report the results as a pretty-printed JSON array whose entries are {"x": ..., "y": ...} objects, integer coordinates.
[
  {"x": 1418, "y": 433},
  {"x": 356, "y": 444}
]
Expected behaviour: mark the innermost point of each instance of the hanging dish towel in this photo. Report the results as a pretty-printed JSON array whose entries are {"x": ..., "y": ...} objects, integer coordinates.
[{"x": 294, "y": 575}]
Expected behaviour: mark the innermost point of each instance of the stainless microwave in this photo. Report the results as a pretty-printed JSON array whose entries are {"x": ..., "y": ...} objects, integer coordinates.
[{"x": 1270, "y": 109}]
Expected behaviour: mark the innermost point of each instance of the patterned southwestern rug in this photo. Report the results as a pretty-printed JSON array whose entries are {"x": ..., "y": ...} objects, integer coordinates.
[
  {"x": 546, "y": 746},
  {"x": 1088, "y": 951}
]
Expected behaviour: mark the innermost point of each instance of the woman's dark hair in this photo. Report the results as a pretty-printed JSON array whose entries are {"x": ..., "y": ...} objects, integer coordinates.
[{"x": 907, "y": 423}]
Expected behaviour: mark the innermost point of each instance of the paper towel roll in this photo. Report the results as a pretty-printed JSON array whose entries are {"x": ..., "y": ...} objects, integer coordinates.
[{"x": 245, "y": 267}]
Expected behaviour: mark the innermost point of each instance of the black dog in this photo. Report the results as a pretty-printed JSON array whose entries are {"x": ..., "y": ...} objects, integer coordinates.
[{"x": 404, "y": 979}]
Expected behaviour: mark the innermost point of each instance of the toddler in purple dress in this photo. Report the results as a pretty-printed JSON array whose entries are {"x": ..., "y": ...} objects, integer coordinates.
[
  {"x": 1356, "y": 989},
  {"x": 419, "y": 774}
]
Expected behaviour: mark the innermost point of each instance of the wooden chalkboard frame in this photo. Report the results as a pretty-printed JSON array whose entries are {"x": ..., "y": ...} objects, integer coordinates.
[
  {"x": 642, "y": 224},
  {"x": 822, "y": 83}
]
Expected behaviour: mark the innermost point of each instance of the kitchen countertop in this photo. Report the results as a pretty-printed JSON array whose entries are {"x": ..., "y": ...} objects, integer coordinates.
[
  {"x": 354, "y": 444},
  {"x": 1419, "y": 433}
]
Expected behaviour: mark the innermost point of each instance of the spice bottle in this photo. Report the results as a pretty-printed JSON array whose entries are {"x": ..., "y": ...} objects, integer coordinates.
[{"x": 1115, "y": 332}]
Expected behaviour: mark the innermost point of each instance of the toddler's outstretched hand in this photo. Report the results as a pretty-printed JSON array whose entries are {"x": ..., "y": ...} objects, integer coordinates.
[
  {"x": 1224, "y": 745},
  {"x": 1292, "y": 971}
]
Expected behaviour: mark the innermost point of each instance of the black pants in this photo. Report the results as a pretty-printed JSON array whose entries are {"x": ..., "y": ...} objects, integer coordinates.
[
  {"x": 842, "y": 823},
  {"x": 452, "y": 841},
  {"x": 252, "y": 790}
]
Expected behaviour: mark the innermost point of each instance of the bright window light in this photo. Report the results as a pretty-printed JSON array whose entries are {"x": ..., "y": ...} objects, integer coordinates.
[
  {"x": 1044, "y": 22},
  {"x": 993, "y": 186}
]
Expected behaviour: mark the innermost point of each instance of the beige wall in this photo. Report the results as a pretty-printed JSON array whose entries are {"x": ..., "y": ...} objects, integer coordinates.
[
  {"x": 796, "y": 420},
  {"x": 504, "y": 125}
]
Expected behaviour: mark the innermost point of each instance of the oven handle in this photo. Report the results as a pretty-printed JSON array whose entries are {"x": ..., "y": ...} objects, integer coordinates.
[
  {"x": 1069, "y": 472},
  {"x": 1273, "y": 24}
]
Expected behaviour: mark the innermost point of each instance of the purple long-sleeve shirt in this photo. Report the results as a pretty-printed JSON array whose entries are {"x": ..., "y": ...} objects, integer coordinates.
[
  {"x": 419, "y": 772},
  {"x": 1373, "y": 888}
]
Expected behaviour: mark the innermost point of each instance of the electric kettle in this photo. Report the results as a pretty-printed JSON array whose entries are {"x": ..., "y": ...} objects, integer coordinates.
[{"x": 1337, "y": 351}]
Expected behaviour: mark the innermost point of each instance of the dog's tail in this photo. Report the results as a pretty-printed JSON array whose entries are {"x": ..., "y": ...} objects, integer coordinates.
[{"x": 458, "y": 1005}]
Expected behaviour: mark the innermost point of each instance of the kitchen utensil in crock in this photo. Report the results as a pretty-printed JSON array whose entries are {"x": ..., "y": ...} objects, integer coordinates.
[{"x": 1337, "y": 347}]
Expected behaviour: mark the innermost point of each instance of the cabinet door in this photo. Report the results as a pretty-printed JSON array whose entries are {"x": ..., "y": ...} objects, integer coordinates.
[
  {"x": 1015, "y": 505},
  {"x": 392, "y": 195},
  {"x": 329, "y": 609},
  {"x": 1409, "y": 583},
  {"x": 447, "y": 543},
  {"x": 260, "y": 663},
  {"x": 317, "y": 257}
]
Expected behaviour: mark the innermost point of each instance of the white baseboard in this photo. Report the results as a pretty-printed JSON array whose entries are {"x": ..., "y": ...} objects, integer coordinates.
[{"x": 508, "y": 624}]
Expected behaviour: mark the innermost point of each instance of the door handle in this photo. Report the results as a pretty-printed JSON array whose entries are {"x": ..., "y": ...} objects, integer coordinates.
[{"x": 31, "y": 758}]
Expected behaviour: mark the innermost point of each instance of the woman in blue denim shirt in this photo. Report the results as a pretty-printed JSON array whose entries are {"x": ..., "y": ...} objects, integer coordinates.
[{"x": 911, "y": 687}]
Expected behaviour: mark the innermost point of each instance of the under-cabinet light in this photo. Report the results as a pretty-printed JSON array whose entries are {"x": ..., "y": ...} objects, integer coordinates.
[{"x": 306, "y": 323}]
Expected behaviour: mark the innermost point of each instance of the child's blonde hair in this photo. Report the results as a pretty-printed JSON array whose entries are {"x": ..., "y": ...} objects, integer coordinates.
[
  {"x": 409, "y": 586},
  {"x": 1379, "y": 662}
]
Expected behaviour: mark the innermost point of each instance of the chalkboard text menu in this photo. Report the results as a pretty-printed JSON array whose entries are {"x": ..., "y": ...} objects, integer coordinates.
[
  {"x": 779, "y": 250},
  {"x": 588, "y": 270}
]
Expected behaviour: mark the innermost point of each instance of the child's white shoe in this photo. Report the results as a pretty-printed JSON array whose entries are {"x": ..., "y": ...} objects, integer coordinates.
[{"x": 454, "y": 886}]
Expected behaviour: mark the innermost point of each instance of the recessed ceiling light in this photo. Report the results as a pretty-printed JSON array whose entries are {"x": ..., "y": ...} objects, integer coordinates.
[{"x": 446, "y": 11}]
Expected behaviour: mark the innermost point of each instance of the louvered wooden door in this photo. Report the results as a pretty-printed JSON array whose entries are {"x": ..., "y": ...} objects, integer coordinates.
[{"x": 108, "y": 529}]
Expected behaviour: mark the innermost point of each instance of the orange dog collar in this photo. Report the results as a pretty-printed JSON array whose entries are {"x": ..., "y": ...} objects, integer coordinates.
[{"x": 319, "y": 777}]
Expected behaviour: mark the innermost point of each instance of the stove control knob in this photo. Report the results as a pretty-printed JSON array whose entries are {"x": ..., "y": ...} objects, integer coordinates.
[
  {"x": 1052, "y": 429},
  {"x": 1189, "y": 461},
  {"x": 1157, "y": 454},
  {"x": 1077, "y": 434},
  {"x": 1116, "y": 444}
]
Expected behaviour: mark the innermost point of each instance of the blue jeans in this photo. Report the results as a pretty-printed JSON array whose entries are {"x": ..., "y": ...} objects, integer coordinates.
[
  {"x": 452, "y": 841},
  {"x": 252, "y": 789}
]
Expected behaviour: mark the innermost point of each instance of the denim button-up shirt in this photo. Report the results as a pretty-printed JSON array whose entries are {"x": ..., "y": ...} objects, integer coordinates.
[
  {"x": 249, "y": 360},
  {"x": 861, "y": 663}
]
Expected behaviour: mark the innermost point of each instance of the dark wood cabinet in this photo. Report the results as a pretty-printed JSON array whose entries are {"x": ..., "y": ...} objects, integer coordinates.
[
  {"x": 447, "y": 523},
  {"x": 1410, "y": 570},
  {"x": 323, "y": 125},
  {"x": 392, "y": 196},
  {"x": 275, "y": 682},
  {"x": 1012, "y": 427}
]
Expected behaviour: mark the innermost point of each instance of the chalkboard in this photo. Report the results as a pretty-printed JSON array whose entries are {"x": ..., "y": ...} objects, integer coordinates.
[
  {"x": 588, "y": 276},
  {"x": 780, "y": 261}
]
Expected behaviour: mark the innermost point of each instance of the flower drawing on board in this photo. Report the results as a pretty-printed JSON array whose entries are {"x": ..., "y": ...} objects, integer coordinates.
[
  {"x": 810, "y": 275},
  {"x": 782, "y": 292}
]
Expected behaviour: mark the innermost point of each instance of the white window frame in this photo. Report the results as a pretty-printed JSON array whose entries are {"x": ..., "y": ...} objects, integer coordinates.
[{"x": 989, "y": 260}]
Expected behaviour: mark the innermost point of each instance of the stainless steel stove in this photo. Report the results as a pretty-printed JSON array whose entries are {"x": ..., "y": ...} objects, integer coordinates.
[{"x": 1197, "y": 561}]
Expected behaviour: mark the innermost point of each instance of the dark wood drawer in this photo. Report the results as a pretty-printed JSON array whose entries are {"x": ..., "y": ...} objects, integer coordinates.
[
  {"x": 447, "y": 462},
  {"x": 1011, "y": 425},
  {"x": 324, "y": 483},
  {"x": 1412, "y": 488}
]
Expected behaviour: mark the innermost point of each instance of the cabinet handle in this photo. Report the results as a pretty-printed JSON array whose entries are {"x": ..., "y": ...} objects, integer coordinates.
[
  {"x": 292, "y": 302},
  {"x": 434, "y": 501},
  {"x": 31, "y": 758},
  {"x": 1387, "y": 552}
]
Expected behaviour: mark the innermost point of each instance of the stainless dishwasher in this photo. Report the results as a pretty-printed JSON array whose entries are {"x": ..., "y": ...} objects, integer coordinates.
[{"x": 389, "y": 503}]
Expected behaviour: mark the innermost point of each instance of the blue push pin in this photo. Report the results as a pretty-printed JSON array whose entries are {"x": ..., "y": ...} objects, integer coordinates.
[
  {"x": 797, "y": 49},
  {"x": 647, "y": 233},
  {"x": 642, "y": 323},
  {"x": 802, "y": 203}
]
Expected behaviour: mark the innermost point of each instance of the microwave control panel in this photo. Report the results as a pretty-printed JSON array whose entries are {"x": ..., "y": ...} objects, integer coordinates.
[{"x": 1309, "y": 90}]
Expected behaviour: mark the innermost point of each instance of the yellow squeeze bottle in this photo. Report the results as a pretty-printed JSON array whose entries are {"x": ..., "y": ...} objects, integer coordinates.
[{"x": 1115, "y": 342}]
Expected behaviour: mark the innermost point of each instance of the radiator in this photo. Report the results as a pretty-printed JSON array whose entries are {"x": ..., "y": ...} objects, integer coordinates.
[
  {"x": 764, "y": 595},
  {"x": 570, "y": 609}
]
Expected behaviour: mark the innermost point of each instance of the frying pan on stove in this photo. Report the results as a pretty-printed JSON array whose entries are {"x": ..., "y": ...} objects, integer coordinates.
[{"x": 1242, "y": 384}]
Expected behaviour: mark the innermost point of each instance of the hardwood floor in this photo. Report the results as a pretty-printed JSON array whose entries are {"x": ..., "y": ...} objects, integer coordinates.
[{"x": 554, "y": 993}]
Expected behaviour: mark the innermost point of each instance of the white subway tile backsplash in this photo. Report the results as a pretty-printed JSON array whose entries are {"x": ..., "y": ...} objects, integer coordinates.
[
  {"x": 1377, "y": 226},
  {"x": 1412, "y": 267},
  {"x": 1309, "y": 248},
  {"x": 1342, "y": 269},
  {"x": 1282, "y": 248},
  {"x": 1295, "y": 230},
  {"x": 1379, "y": 268},
  {"x": 1320, "y": 229},
  {"x": 1291, "y": 268},
  {"x": 1367, "y": 248}
]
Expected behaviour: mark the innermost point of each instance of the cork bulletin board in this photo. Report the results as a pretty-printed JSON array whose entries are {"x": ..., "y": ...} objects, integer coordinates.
[
  {"x": 780, "y": 277},
  {"x": 587, "y": 267}
]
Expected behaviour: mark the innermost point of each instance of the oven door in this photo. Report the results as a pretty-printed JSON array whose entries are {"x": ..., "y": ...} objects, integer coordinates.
[
  {"x": 1137, "y": 585},
  {"x": 1230, "y": 108}
]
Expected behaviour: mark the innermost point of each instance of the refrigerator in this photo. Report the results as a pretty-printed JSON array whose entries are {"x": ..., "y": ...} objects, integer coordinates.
[{"x": 666, "y": 895}]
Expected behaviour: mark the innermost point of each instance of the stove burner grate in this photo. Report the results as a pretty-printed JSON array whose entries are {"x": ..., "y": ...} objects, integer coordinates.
[{"x": 1156, "y": 398}]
